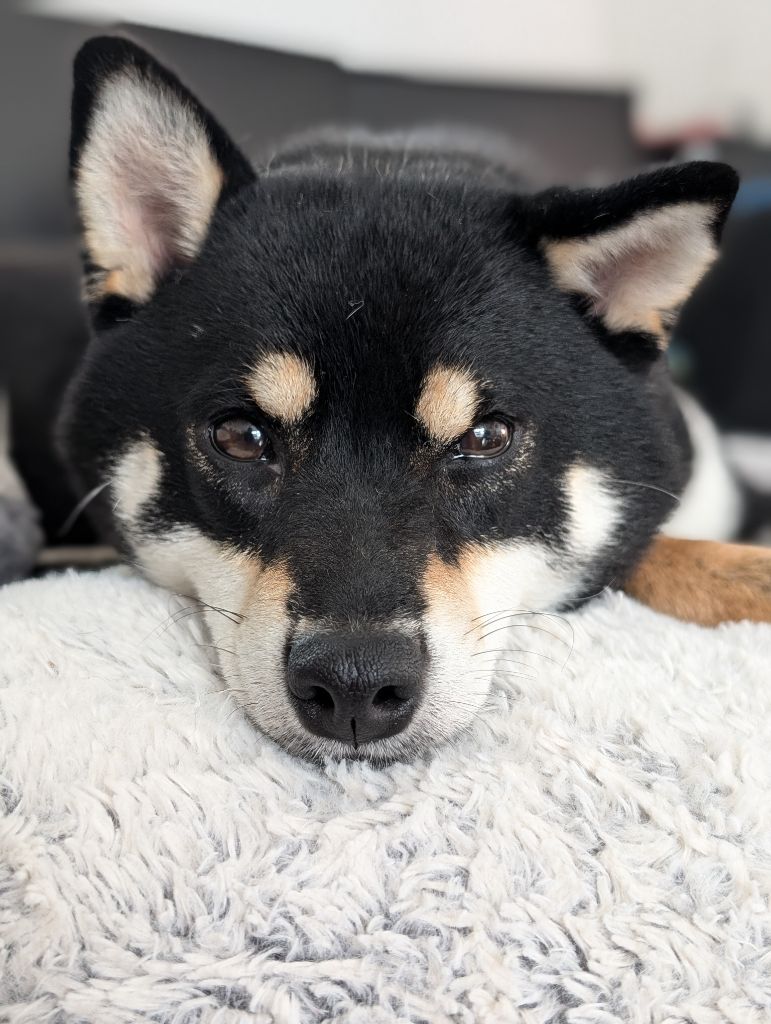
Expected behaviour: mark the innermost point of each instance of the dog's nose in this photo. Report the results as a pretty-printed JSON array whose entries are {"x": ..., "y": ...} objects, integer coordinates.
[{"x": 353, "y": 687}]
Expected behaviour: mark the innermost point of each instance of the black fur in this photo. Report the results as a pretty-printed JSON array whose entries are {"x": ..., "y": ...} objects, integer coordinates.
[{"x": 570, "y": 213}]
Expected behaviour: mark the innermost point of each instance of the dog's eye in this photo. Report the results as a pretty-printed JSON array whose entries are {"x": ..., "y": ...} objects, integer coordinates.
[
  {"x": 240, "y": 439},
  {"x": 484, "y": 440}
]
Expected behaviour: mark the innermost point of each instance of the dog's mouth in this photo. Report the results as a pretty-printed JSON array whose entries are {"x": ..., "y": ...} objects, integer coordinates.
[
  {"x": 417, "y": 742},
  {"x": 413, "y": 733},
  {"x": 382, "y": 696}
]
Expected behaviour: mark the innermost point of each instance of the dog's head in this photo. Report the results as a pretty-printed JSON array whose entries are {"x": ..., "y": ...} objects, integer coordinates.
[{"x": 363, "y": 405}]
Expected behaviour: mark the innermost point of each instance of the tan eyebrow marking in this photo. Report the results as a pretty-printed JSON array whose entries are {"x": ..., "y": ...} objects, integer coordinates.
[
  {"x": 283, "y": 386},
  {"x": 448, "y": 402}
]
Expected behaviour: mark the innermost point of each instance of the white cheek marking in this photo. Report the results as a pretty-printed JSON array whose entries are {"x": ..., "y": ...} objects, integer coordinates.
[
  {"x": 595, "y": 511},
  {"x": 471, "y": 605},
  {"x": 135, "y": 481},
  {"x": 192, "y": 565},
  {"x": 522, "y": 576},
  {"x": 711, "y": 504},
  {"x": 528, "y": 575},
  {"x": 469, "y": 608},
  {"x": 247, "y": 618}
]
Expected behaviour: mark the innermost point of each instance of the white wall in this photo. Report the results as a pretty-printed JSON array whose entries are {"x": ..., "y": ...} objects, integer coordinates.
[{"x": 686, "y": 61}]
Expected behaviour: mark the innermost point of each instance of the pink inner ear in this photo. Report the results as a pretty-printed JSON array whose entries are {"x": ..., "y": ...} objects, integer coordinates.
[
  {"x": 149, "y": 216},
  {"x": 633, "y": 273},
  {"x": 143, "y": 230},
  {"x": 613, "y": 278},
  {"x": 147, "y": 184}
]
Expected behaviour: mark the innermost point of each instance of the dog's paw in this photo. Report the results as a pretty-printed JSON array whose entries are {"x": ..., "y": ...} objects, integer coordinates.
[{"x": 704, "y": 581}]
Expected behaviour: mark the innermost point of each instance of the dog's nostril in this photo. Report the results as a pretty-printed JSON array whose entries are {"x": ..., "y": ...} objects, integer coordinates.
[
  {"x": 388, "y": 695},
  {"x": 321, "y": 697}
]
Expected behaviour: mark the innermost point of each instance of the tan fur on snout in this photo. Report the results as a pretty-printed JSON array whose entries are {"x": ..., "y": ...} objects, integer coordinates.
[
  {"x": 448, "y": 403},
  {"x": 494, "y": 598},
  {"x": 446, "y": 586},
  {"x": 262, "y": 624},
  {"x": 266, "y": 588},
  {"x": 477, "y": 609},
  {"x": 244, "y": 604},
  {"x": 283, "y": 385},
  {"x": 457, "y": 686}
]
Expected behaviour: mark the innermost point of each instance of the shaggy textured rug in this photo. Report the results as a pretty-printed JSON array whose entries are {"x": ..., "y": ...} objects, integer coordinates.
[{"x": 596, "y": 849}]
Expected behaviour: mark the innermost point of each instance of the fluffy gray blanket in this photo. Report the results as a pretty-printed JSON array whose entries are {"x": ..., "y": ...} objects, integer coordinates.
[{"x": 596, "y": 849}]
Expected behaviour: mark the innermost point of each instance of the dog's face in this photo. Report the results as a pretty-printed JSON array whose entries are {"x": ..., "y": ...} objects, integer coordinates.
[{"x": 367, "y": 409}]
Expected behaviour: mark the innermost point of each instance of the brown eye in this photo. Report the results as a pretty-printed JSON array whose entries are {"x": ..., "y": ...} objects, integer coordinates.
[
  {"x": 240, "y": 439},
  {"x": 485, "y": 440}
]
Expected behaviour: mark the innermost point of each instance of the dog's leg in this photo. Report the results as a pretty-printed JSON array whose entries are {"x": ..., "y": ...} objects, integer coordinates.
[{"x": 704, "y": 581}]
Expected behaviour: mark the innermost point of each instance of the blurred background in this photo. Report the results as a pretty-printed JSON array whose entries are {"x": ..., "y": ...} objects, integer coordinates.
[{"x": 594, "y": 89}]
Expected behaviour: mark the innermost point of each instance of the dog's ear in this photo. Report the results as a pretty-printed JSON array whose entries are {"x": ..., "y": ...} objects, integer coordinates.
[
  {"x": 634, "y": 252},
  {"x": 149, "y": 165}
]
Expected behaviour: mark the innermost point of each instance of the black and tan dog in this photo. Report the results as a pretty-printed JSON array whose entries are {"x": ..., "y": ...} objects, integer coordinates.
[{"x": 360, "y": 399}]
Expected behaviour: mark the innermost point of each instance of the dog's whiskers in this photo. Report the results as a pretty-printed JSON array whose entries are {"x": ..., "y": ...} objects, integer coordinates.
[
  {"x": 501, "y": 616},
  {"x": 650, "y": 487},
  {"x": 81, "y": 506},
  {"x": 509, "y": 661},
  {"x": 176, "y": 617},
  {"x": 235, "y": 617},
  {"x": 506, "y": 672},
  {"x": 215, "y": 647},
  {"x": 519, "y": 650},
  {"x": 524, "y": 625},
  {"x": 591, "y": 597}
]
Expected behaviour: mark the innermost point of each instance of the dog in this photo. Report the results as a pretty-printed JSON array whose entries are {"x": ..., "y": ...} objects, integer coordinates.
[{"x": 370, "y": 397}]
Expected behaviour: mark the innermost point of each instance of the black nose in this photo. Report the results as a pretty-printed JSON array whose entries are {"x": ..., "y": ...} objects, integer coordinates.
[{"x": 356, "y": 687}]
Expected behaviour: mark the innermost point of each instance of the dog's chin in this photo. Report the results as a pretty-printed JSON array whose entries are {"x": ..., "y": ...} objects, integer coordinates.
[
  {"x": 451, "y": 703},
  {"x": 407, "y": 747}
]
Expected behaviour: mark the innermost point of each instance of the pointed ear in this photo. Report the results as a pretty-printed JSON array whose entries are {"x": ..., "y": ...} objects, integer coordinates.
[
  {"x": 149, "y": 165},
  {"x": 635, "y": 252}
]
